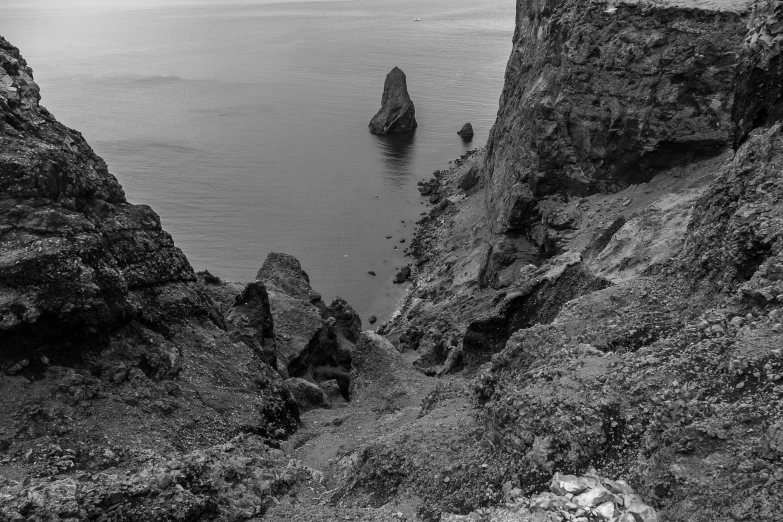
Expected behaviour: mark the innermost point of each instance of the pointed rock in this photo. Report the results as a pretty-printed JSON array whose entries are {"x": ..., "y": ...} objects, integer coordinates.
[{"x": 397, "y": 113}]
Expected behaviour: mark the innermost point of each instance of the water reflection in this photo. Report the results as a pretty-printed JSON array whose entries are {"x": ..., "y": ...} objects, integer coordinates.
[{"x": 397, "y": 153}]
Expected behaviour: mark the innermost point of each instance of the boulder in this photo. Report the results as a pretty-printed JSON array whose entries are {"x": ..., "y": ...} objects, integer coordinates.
[
  {"x": 379, "y": 371},
  {"x": 466, "y": 131},
  {"x": 308, "y": 395},
  {"x": 285, "y": 272},
  {"x": 428, "y": 187},
  {"x": 469, "y": 179},
  {"x": 333, "y": 392},
  {"x": 403, "y": 275},
  {"x": 397, "y": 113}
]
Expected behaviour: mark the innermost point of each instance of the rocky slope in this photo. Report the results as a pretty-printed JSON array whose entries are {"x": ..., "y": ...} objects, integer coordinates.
[
  {"x": 592, "y": 329},
  {"x": 133, "y": 388},
  {"x": 609, "y": 285}
]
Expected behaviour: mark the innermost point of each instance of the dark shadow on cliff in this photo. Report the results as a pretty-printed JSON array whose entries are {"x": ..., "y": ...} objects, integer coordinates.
[{"x": 396, "y": 152}]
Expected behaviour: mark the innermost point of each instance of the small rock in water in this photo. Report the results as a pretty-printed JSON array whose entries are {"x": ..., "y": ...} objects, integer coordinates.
[
  {"x": 466, "y": 131},
  {"x": 372, "y": 319},
  {"x": 371, "y": 273},
  {"x": 402, "y": 275},
  {"x": 388, "y": 237},
  {"x": 402, "y": 240}
]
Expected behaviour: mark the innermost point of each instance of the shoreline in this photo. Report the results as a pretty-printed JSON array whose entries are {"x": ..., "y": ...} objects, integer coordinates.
[{"x": 449, "y": 196}]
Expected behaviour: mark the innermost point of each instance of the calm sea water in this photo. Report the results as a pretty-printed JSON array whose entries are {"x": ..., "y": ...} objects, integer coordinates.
[{"x": 244, "y": 125}]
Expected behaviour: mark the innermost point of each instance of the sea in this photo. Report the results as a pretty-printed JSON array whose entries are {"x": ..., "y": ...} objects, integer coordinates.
[{"x": 243, "y": 123}]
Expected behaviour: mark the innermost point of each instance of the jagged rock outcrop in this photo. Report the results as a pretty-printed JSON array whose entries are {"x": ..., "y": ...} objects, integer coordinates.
[
  {"x": 78, "y": 259},
  {"x": 249, "y": 320},
  {"x": 397, "y": 112},
  {"x": 112, "y": 351},
  {"x": 735, "y": 240},
  {"x": 659, "y": 377},
  {"x": 759, "y": 72},
  {"x": 537, "y": 301},
  {"x": 596, "y": 99},
  {"x": 313, "y": 341}
]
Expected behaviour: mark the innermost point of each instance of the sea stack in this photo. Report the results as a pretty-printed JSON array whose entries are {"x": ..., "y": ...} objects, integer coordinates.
[
  {"x": 397, "y": 113},
  {"x": 466, "y": 131}
]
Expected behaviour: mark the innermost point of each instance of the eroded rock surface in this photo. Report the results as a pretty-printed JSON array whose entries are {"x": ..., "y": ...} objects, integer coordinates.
[
  {"x": 397, "y": 112},
  {"x": 313, "y": 341},
  {"x": 78, "y": 260},
  {"x": 592, "y": 330},
  {"x": 596, "y": 100}
]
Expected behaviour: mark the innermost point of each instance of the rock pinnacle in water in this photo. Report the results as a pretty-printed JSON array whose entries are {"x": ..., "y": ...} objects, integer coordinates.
[{"x": 397, "y": 113}]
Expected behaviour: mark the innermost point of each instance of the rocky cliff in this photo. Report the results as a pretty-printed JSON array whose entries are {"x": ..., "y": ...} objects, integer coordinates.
[
  {"x": 598, "y": 97},
  {"x": 610, "y": 284},
  {"x": 133, "y": 388},
  {"x": 592, "y": 328}
]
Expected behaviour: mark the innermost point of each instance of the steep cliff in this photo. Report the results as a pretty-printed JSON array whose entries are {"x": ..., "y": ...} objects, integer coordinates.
[
  {"x": 612, "y": 283},
  {"x": 131, "y": 388},
  {"x": 598, "y": 97},
  {"x": 592, "y": 330}
]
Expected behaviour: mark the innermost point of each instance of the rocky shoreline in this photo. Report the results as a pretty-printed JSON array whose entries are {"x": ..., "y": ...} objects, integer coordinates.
[{"x": 591, "y": 332}]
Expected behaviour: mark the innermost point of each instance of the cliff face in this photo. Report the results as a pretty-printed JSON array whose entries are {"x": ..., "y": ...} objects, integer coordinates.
[
  {"x": 597, "y": 98},
  {"x": 622, "y": 314},
  {"x": 620, "y": 319},
  {"x": 117, "y": 360},
  {"x": 78, "y": 260}
]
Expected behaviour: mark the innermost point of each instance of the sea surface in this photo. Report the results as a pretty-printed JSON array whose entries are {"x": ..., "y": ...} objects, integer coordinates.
[{"x": 244, "y": 124}]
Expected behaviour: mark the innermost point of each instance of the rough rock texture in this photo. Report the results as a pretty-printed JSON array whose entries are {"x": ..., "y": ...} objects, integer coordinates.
[
  {"x": 736, "y": 234},
  {"x": 249, "y": 320},
  {"x": 378, "y": 368},
  {"x": 313, "y": 341},
  {"x": 595, "y": 100},
  {"x": 402, "y": 275},
  {"x": 120, "y": 382},
  {"x": 470, "y": 178},
  {"x": 670, "y": 376},
  {"x": 307, "y": 394},
  {"x": 589, "y": 497},
  {"x": 760, "y": 72},
  {"x": 599, "y": 294},
  {"x": 236, "y": 480},
  {"x": 78, "y": 260},
  {"x": 397, "y": 113},
  {"x": 100, "y": 309},
  {"x": 538, "y": 301}
]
